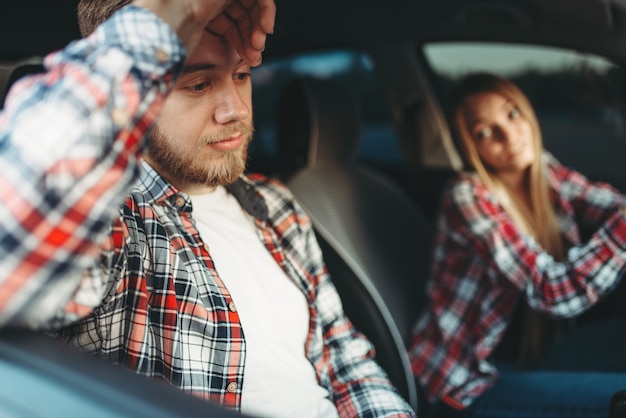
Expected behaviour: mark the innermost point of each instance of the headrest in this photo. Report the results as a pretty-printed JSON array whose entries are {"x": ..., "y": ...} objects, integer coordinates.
[{"x": 318, "y": 123}]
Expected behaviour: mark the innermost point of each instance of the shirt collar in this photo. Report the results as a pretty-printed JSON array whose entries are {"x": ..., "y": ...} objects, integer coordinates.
[{"x": 157, "y": 191}]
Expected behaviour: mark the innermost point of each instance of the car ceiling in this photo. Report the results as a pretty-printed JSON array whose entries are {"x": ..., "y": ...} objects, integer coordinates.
[
  {"x": 588, "y": 25},
  {"x": 35, "y": 27}
]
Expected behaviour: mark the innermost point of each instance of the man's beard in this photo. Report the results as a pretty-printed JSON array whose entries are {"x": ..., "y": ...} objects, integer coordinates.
[{"x": 183, "y": 164}]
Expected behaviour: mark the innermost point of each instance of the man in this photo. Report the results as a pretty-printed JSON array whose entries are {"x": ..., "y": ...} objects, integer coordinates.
[{"x": 208, "y": 279}]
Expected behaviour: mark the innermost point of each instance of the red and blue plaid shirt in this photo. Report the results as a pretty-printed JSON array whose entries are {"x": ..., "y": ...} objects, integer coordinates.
[
  {"x": 138, "y": 286},
  {"x": 483, "y": 266}
]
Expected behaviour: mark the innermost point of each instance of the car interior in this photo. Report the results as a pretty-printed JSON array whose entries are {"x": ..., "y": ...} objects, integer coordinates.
[
  {"x": 45, "y": 378},
  {"x": 350, "y": 112},
  {"x": 357, "y": 213}
]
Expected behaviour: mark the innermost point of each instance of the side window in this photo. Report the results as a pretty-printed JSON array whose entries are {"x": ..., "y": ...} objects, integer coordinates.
[
  {"x": 579, "y": 98},
  {"x": 351, "y": 69}
]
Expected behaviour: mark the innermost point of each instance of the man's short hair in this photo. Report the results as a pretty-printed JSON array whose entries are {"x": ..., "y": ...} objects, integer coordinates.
[{"x": 91, "y": 13}]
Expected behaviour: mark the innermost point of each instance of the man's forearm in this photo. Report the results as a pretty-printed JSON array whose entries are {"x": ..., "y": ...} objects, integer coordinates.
[{"x": 70, "y": 141}]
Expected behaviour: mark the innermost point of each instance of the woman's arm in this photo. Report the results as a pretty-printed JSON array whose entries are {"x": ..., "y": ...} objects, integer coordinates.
[
  {"x": 561, "y": 288},
  {"x": 591, "y": 202}
]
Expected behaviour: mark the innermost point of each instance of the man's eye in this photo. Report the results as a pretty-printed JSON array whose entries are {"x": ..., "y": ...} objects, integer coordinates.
[
  {"x": 199, "y": 87},
  {"x": 242, "y": 76},
  {"x": 514, "y": 113}
]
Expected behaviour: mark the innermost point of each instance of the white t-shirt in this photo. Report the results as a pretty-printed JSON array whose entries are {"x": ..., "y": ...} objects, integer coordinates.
[{"x": 279, "y": 381}]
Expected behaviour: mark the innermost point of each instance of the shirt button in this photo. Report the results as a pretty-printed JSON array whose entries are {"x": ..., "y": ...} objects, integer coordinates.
[
  {"x": 119, "y": 116},
  {"x": 206, "y": 247},
  {"x": 232, "y": 387},
  {"x": 232, "y": 306},
  {"x": 180, "y": 201},
  {"x": 162, "y": 56}
]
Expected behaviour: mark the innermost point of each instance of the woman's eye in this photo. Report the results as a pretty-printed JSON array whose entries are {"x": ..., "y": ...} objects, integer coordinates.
[
  {"x": 514, "y": 113},
  {"x": 483, "y": 133}
]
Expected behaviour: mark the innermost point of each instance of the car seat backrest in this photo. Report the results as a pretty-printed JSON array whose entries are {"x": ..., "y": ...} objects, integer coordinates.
[
  {"x": 313, "y": 111},
  {"x": 376, "y": 242},
  {"x": 18, "y": 72}
]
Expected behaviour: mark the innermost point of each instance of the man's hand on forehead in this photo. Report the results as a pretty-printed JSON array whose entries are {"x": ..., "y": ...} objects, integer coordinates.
[{"x": 245, "y": 25}]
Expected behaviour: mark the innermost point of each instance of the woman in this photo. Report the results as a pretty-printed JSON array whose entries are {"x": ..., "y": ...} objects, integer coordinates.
[{"x": 511, "y": 266}]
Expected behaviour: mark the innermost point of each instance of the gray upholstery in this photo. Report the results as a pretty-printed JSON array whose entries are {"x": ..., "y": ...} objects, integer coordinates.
[{"x": 375, "y": 240}]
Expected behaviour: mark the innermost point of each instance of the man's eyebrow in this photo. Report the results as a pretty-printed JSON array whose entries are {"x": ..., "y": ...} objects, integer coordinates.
[{"x": 187, "y": 69}]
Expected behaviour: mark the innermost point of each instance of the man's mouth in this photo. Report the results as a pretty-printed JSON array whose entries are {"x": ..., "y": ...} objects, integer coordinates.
[{"x": 228, "y": 144}]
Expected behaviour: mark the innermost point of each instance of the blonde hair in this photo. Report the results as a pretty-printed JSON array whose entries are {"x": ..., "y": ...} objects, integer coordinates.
[{"x": 537, "y": 220}]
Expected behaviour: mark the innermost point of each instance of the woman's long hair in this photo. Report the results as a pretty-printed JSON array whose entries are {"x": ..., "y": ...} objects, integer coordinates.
[{"x": 538, "y": 219}]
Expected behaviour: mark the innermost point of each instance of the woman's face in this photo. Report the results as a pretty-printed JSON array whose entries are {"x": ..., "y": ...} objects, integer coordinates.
[{"x": 503, "y": 136}]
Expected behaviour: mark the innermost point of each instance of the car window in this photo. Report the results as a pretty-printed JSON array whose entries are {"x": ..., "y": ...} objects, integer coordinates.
[
  {"x": 349, "y": 68},
  {"x": 579, "y": 98}
]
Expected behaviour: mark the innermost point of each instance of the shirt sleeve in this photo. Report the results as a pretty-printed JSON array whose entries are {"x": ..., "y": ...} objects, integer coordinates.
[
  {"x": 560, "y": 288},
  {"x": 70, "y": 140},
  {"x": 591, "y": 202}
]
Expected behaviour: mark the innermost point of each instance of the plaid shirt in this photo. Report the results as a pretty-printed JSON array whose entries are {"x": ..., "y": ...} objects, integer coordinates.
[
  {"x": 483, "y": 266},
  {"x": 140, "y": 282}
]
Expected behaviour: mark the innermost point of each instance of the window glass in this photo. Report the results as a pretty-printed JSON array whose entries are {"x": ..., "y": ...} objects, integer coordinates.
[
  {"x": 351, "y": 69},
  {"x": 579, "y": 98}
]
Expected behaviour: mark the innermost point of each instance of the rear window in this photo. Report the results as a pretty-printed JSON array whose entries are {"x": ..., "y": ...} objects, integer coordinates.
[{"x": 579, "y": 98}]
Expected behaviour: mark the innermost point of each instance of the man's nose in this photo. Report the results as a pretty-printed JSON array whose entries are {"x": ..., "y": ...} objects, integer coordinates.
[{"x": 231, "y": 106}]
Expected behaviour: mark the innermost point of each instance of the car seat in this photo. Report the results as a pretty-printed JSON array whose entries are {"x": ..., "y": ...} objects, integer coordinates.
[
  {"x": 18, "y": 72},
  {"x": 375, "y": 240}
]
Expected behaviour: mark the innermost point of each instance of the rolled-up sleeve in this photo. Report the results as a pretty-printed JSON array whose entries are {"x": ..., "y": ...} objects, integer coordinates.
[{"x": 70, "y": 140}]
